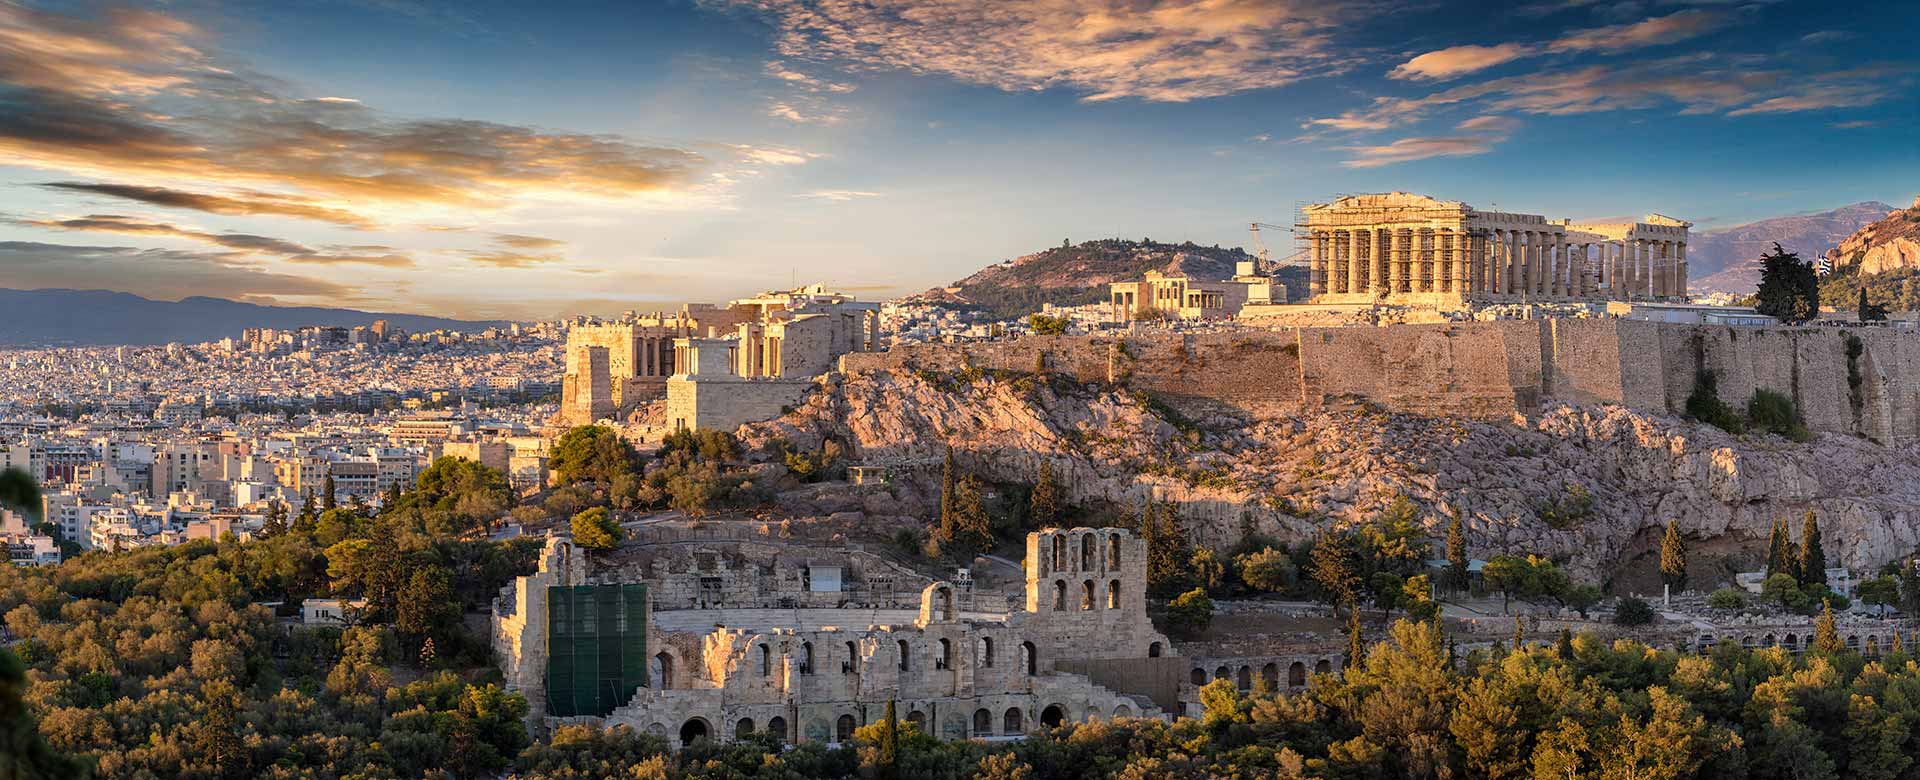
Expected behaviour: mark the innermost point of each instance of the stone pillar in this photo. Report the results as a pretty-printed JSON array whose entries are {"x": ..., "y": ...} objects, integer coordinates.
[
  {"x": 1354, "y": 279},
  {"x": 1316, "y": 282},
  {"x": 1563, "y": 267},
  {"x": 1680, "y": 270},
  {"x": 1424, "y": 247},
  {"x": 1462, "y": 278},
  {"x": 1510, "y": 262},
  {"x": 1646, "y": 268},
  {"x": 1396, "y": 248},
  {"x": 1336, "y": 262}
]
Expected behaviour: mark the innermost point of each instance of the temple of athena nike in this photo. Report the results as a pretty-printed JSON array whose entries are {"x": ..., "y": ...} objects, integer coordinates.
[{"x": 1403, "y": 248}]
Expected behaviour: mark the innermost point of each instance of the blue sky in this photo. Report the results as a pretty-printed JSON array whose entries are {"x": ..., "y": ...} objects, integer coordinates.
[{"x": 528, "y": 159}]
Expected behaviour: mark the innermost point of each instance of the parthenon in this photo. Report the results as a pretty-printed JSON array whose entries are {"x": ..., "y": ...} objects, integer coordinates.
[{"x": 1400, "y": 247}]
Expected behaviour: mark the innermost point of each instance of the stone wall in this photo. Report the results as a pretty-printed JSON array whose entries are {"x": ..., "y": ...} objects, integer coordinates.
[
  {"x": 725, "y": 403},
  {"x": 1844, "y": 380}
]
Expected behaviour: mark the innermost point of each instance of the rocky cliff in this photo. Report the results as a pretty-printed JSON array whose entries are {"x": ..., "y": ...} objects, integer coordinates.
[
  {"x": 1591, "y": 484},
  {"x": 1727, "y": 260},
  {"x": 1891, "y": 243}
]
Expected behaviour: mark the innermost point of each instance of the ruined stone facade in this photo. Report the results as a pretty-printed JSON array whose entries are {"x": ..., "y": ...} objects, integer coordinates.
[
  {"x": 1403, "y": 248},
  {"x": 956, "y": 666},
  {"x": 767, "y": 362}
]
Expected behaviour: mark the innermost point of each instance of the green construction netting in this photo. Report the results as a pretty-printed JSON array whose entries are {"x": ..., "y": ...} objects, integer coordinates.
[{"x": 596, "y": 647}]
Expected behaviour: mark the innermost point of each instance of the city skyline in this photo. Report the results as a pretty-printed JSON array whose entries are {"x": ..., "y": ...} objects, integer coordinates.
[{"x": 498, "y": 161}]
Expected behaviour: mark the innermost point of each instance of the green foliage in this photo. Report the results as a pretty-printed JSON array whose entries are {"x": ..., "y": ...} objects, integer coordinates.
[
  {"x": 1633, "y": 612},
  {"x": 1673, "y": 558},
  {"x": 1783, "y": 557},
  {"x": 1771, "y": 412},
  {"x": 20, "y": 492},
  {"x": 1168, "y": 551},
  {"x": 1457, "y": 575},
  {"x": 825, "y": 464},
  {"x": 1571, "y": 508},
  {"x": 1048, "y": 326},
  {"x": 1882, "y": 591},
  {"x": 1268, "y": 571},
  {"x": 1527, "y": 578},
  {"x": 1189, "y": 614},
  {"x": 453, "y": 497},
  {"x": 24, "y": 753},
  {"x": 594, "y": 529},
  {"x": 1826, "y": 635},
  {"x": 1789, "y": 289},
  {"x": 1813, "y": 556},
  {"x": 1043, "y": 504},
  {"x": 1704, "y": 404},
  {"x": 1727, "y": 598},
  {"x": 590, "y": 453}
]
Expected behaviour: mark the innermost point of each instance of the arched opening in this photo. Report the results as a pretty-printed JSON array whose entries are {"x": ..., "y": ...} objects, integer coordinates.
[
  {"x": 1793, "y": 642},
  {"x": 1086, "y": 553},
  {"x": 1767, "y": 641},
  {"x": 1853, "y": 642},
  {"x": 1014, "y": 722},
  {"x": 1199, "y": 676},
  {"x": 919, "y": 721},
  {"x": 766, "y": 660},
  {"x": 742, "y": 729},
  {"x": 906, "y": 654},
  {"x": 1323, "y": 667},
  {"x": 1873, "y": 645},
  {"x": 1271, "y": 675},
  {"x": 1113, "y": 552},
  {"x": 1086, "y": 595},
  {"x": 660, "y": 671},
  {"x": 982, "y": 723},
  {"x": 1059, "y": 553},
  {"x": 806, "y": 658},
  {"x": 1029, "y": 658},
  {"x": 1053, "y": 715},
  {"x": 1153, "y": 650},
  {"x": 1244, "y": 678},
  {"x": 1113, "y": 594},
  {"x": 693, "y": 731},
  {"x": 1222, "y": 673},
  {"x": 1122, "y": 711},
  {"x": 843, "y": 729},
  {"x": 946, "y": 604},
  {"x": 777, "y": 726},
  {"x": 852, "y": 664},
  {"x": 1059, "y": 595},
  {"x": 1296, "y": 675},
  {"x": 945, "y": 658},
  {"x": 986, "y": 651}
]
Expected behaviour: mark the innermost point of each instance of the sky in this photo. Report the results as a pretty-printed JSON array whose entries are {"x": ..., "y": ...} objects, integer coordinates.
[{"x": 530, "y": 160}]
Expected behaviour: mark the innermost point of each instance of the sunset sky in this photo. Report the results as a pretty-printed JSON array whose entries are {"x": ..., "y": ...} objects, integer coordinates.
[{"x": 522, "y": 159}]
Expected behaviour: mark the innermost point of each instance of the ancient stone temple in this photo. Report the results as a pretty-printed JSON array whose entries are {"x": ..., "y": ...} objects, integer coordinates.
[{"x": 1403, "y": 248}]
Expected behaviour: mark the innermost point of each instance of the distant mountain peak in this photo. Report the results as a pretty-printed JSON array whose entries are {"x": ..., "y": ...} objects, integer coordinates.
[
  {"x": 52, "y": 317},
  {"x": 1726, "y": 259}
]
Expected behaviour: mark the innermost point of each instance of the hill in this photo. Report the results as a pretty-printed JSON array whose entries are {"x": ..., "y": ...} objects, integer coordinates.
[
  {"x": 1882, "y": 258},
  {"x": 48, "y": 317},
  {"x": 1078, "y": 274},
  {"x": 1725, "y": 260}
]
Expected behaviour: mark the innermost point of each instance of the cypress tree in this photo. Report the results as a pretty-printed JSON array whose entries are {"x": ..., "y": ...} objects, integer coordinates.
[
  {"x": 1813, "y": 557},
  {"x": 1168, "y": 556},
  {"x": 1781, "y": 555},
  {"x": 889, "y": 759},
  {"x": 1565, "y": 645},
  {"x": 1356, "y": 641},
  {"x": 1826, "y": 635},
  {"x": 1673, "y": 558},
  {"x": 1457, "y": 552},
  {"x": 1044, "y": 505},
  {"x": 276, "y": 522},
  {"x": 307, "y": 519},
  {"x": 327, "y": 499},
  {"x": 1519, "y": 633}
]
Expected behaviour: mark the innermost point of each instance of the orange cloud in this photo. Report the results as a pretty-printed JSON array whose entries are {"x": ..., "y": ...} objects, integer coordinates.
[
  {"x": 242, "y": 243},
  {"x": 1458, "y": 61},
  {"x": 1659, "y": 30},
  {"x": 248, "y": 203}
]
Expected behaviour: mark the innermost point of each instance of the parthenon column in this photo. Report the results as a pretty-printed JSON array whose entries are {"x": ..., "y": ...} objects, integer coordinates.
[
  {"x": 1646, "y": 268},
  {"x": 1462, "y": 277},
  {"x": 1337, "y": 264},
  {"x": 1680, "y": 270},
  {"x": 1549, "y": 265},
  {"x": 1396, "y": 260},
  {"x": 1562, "y": 266},
  {"x": 1316, "y": 283},
  {"x": 1355, "y": 261},
  {"x": 1496, "y": 262},
  {"x": 1510, "y": 262}
]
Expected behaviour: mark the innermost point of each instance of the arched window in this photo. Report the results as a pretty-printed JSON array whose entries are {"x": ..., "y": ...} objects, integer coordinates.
[
  {"x": 1014, "y": 722},
  {"x": 1086, "y": 595},
  {"x": 662, "y": 671},
  {"x": 742, "y": 729},
  {"x": 905, "y": 654},
  {"x": 693, "y": 731},
  {"x": 1153, "y": 650},
  {"x": 1296, "y": 675},
  {"x": 1113, "y": 594},
  {"x": 1059, "y": 553},
  {"x": 1222, "y": 673},
  {"x": 766, "y": 662},
  {"x": 806, "y": 658},
  {"x": 919, "y": 721},
  {"x": 1053, "y": 715},
  {"x": 945, "y": 658},
  {"x": 1059, "y": 595},
  {"x": 986, "y": 651},
  {"x": 852, "y": 664},
  {"x": 843, "y": 729},
  {"x": 1199, "y": 676},
  {"x": 777, "y": 726},
  {"x": 1244, "y": 680},
  {"x": 1323, "y": 667},
  {"x": 1113, "y": 552},
  {"x": 982, "y": 723},
  {"x": 1029, "y": 658},
  {"x": 1270, "y": 674},
  {"x": 1086, "y": 552}
]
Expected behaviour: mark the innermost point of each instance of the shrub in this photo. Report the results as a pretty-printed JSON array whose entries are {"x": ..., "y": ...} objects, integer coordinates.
[
  {"x": 1771, "y": 412},
  {"x": 1727, "y": 598},
  {"x": 1633, "y": 612},
  {"x": 1190, "y": 613},
  {"x": 1705, "y": 405},
  {"x": 595, "y": 530}
]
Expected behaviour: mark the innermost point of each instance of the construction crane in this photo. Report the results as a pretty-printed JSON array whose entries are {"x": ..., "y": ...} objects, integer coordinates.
[{"x": 1266, "y": 263}]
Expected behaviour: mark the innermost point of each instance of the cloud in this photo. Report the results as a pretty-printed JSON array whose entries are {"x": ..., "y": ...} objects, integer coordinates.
[
  {"x": 241, "y": 243},
  {"x": 153, "y": 273},
  {"x": 1409, "y": 149},
  {"x": 1854, "y": 124},
  {"x": 519, "y": 241},
  {"x": 134, "y": 95},
  {"x": 1158, "y": 50},
  {"x": 1496, "y": 125},
  {"x": 1459, "y": 60},
  {"x": 817, "y": 114},
  {"x": 512, "y": 250},
  {"x": 1659, "y": 30},
  {"x": 244, "y": 203},
  {"x": 839, "y": 196}
]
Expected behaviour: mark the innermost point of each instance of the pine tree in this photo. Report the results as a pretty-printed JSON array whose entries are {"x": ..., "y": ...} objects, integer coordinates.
[
  {"x": 1565, "y": 645},
  {"x": 327, "y": 498},
  {"x": 1673, "y": 558},
  {"x": 889, "y": 759},
  {"x": 276, "y": 522},
  {"x": 1789, "y": 290},
  {"x": 1813, "y": 557},
  {"x": 305, "y": 522},
  {"x": 217, "y": 736},
  {"x": 1044, "y": 505},
  {"x": 1782, "y": 558},
  {"x": 1356, "y": 641},
  {"x": 1457, "y": 552},
  {"x": 1826, "y": 635},
  {"x": 1519, "y": 633},
  {"x": 1333, "y": 568}
]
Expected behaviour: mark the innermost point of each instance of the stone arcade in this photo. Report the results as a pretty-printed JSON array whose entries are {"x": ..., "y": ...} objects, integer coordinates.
[
  {"x": 1403, "y": 248},
  {"x": 961, "y": 667}
]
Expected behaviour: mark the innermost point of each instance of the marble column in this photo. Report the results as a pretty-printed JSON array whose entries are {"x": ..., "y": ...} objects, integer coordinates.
[
  {"x": 1462, "y": 279},
  {"x": 1680, "y": 270},
  {"x": 1562, "y": 266},
  {"x": 1316, "y": 281},
  {"x": 1400, "y": 261},
  {"x": 1646, "y": 268},
  {"x": 1355, "y": 264},
  {"x": 1496, "y": 261}
]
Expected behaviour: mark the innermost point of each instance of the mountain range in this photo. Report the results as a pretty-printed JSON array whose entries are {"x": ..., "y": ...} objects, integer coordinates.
[
  {"x": 1727, "y": 260},
  {"x": 56, "y": 317}
]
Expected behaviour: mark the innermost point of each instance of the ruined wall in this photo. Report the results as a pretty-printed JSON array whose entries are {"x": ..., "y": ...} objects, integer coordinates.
[{"x": 1844, "y": 380}]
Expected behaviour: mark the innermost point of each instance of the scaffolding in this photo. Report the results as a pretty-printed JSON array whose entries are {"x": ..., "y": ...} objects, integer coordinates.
[{"x": 596, "y": 647}]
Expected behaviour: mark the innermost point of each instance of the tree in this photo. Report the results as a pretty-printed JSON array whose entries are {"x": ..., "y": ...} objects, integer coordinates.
[
  {"x": 1190, "y": 613},
  {"x": 427, "y": 607},
  {"x": 216, "y": 737},
  {"x": 1356, "y": 641},
  {"x": 1727, "y": 598},
  {"x": 1045, "y": 325},
  {"x": 1813, "y": 557},
  {"x": 1882, "y": 591},
  {"x": 1266, "y": 571},
  {"x": 20, "y": 493},
  {"x": 1789, "y": 290},
  {"x": 1168, "y": 553},
  {"x": 328, "y": 497},
  {"x": 1509, "y": 574},
  {"x": 305, "y": 522},
  {"x": 1209, "y": 570},
  {"x": 1673, "y": 558},
  {"x": 590, "y": 453},
  {"x": 276, "y": 522},
  {"x": 1870, "y": 312},
  {"x": 1043, "y": 505},
  {"x": 1457, "y": 551},
  {"x": 1826, "y": 634},
  {"x": 594, "y": 529},
  {"x": 965, "y": 528},
  {"x": 1633, "y": 612},
  {"x": 1335, "y": 569},
  {"x": 1782, "y": 557},
  {"x": 24, "y": 753},
  {"x": 889, "y": 748}
]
